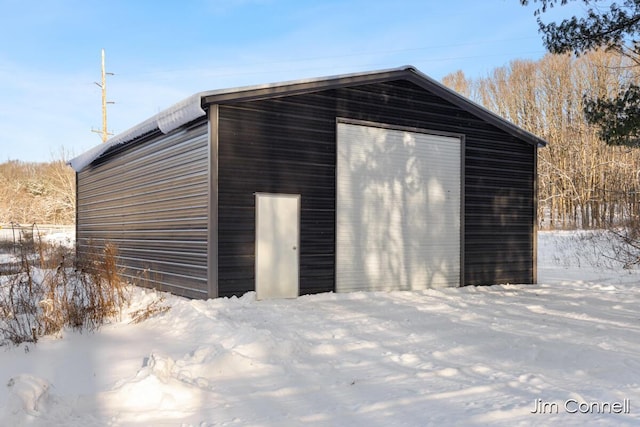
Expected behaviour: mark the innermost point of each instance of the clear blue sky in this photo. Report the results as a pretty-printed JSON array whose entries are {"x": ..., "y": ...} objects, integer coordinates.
[{"x": 163, "y": 51}]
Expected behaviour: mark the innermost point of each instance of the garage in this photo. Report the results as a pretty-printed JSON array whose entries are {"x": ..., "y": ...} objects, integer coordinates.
[{"x": 373, "y": 181}]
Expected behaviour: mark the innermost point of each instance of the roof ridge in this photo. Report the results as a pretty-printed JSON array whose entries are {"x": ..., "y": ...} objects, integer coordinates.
[{"x": 191, "y": 108}]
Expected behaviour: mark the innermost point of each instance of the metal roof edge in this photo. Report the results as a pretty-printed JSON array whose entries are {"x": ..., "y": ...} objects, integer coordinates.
[
  {"x": 191, "y": 108},
  {"x": 293, "y": 87},
  {"x": 477, "y": 109}
]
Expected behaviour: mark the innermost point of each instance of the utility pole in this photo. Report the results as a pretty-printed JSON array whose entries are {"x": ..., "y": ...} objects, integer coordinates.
[{"x": 103, "y": 85}]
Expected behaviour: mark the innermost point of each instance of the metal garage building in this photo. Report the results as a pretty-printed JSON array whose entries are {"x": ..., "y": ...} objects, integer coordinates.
[{"x": 384, "y": 180}]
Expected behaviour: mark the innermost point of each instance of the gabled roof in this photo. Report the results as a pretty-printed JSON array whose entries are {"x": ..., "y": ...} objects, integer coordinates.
[{"x": 191, "y": 108}]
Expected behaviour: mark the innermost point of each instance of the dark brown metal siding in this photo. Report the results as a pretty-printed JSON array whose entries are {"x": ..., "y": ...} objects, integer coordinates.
[
  {"x": 287, "y": 145},
  {"x": 151, "y": 200},
  {"x": 262, "y": 150},
  {"x": 499, "y": 211}
]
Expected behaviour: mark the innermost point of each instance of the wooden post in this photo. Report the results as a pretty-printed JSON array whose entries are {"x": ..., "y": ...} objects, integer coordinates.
[{"x": 103, "y": 85}]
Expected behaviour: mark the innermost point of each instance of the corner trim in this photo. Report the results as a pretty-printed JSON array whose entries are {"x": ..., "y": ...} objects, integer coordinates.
[
  {"x": 212, "y": 223},
  {"x": 534, "y": 271}
]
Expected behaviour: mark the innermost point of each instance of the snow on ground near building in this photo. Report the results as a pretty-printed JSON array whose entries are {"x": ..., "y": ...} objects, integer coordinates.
[{"x": 467, "y": 356}]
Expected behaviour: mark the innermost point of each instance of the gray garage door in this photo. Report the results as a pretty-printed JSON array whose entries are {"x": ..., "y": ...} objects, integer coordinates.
[{"x": 398, "y": 209}]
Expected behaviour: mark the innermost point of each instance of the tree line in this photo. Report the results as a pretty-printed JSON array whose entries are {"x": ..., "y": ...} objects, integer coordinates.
[
  {"x": 37, "y": 193},
  {"x": 582, "y": 181}
]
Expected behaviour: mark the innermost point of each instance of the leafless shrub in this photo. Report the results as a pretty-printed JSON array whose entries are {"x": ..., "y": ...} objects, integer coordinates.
[
  {"x": 626, "y": 245},
  {"x": 611, "y": 249},
  {"x": 103, "y": 292},
  {"x": 48, "y": 290},
  {"x": 42, "y": 297}
]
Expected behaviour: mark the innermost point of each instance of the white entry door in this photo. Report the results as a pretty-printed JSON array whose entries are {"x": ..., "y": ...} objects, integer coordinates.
[{"x": 277, "y": 241}]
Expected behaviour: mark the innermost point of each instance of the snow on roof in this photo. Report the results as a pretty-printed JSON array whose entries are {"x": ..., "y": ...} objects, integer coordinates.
[
  {"x": 167, "y": 120},
  {"x": 187, "y": 110}
]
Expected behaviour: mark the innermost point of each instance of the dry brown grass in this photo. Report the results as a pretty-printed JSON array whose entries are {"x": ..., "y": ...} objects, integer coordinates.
[
  {"x": 47, "y": 293},
  {"x": 154, "y": 308}
]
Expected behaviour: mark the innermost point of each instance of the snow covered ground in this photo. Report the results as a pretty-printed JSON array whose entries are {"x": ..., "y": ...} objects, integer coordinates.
[{"x": 567, "y": 349}]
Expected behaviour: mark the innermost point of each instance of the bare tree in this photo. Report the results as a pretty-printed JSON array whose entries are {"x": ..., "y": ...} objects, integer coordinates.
[
  {"x": 583, "y": 182},
  {"x": 42, "y": 193}
]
